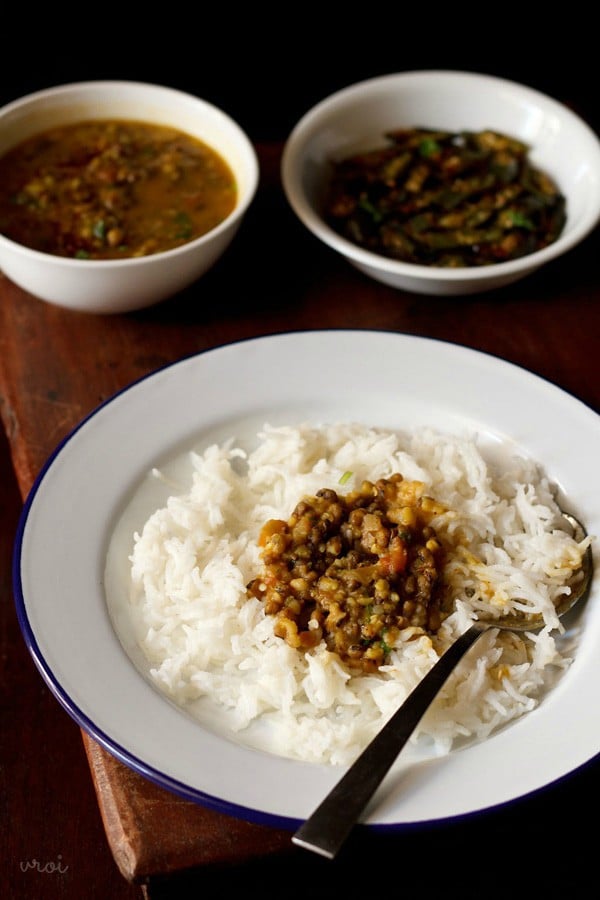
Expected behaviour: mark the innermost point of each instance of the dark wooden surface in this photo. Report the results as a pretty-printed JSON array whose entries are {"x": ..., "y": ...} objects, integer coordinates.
[{"x": 75, "y": 823}]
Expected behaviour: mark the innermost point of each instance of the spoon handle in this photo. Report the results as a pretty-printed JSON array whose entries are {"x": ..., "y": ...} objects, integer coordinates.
[{"x": 327, "y": 828}]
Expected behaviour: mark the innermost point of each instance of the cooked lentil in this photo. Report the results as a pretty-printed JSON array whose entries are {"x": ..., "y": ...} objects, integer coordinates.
[
  {"x": 105, "y": 189},
  {"x": 446, "y": 199},
  {"x": 354, "y": 570}
]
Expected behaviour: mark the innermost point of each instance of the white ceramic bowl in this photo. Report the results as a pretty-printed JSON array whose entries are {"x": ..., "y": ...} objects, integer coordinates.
[
  {"x": 112, "y": 286},
  {"x": 356, "y": 118}
]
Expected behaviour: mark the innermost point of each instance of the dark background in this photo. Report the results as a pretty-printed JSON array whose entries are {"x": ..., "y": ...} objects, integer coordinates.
[{"x": 267, "y": 66}]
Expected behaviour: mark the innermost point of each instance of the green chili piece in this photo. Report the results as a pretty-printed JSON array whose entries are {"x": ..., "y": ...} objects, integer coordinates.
[
  {"x": 518, "y": 220},
  {"x": 183, "y": 226},
  {"x": 429, "y": 147},
  {"x": 372, "y": 211},
  {"x": 99, "y": 229}
]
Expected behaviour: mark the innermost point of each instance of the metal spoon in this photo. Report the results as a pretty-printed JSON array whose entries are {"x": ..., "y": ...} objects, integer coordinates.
[{"x": 327, "y": 828}]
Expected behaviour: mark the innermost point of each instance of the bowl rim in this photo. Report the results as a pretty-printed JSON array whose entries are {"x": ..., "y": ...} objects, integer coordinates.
[
  {"x": 305, "y": 126},
  {"x": 237, "y": 213}
]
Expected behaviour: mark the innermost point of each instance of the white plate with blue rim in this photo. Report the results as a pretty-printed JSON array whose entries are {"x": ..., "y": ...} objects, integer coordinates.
[{"x": 76, "y": 531}]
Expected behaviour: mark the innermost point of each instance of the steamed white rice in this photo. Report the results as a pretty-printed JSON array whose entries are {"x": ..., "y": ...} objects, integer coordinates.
[{"x": 208, "y": 643}]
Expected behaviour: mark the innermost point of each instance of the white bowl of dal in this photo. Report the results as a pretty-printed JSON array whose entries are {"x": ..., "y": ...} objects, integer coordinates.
[
  {"x": 129, "y": 283},
  {"x": 356, "y": 119}
]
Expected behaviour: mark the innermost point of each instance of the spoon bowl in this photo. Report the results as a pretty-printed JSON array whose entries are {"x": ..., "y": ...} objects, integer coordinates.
[{"x": 325, "y": 831}]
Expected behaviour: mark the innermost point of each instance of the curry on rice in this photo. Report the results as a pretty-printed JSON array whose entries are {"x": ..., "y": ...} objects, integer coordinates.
[{"x": 354, "y": 570}]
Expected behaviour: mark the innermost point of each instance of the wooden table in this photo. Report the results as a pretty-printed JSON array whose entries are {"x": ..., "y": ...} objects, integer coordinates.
[{"x": 117, "y": 835}]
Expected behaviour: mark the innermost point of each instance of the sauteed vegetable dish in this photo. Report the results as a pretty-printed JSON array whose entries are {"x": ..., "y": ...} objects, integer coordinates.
[
  {"x": 446, "y": 199},
  {"x": 110, "y": 189}
]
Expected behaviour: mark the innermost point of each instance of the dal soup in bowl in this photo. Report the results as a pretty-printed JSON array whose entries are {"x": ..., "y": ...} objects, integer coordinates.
[{"x": 117, "y": 195}]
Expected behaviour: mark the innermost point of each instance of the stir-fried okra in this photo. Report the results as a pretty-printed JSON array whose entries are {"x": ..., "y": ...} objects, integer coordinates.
[{"x": 446, "y": 199}]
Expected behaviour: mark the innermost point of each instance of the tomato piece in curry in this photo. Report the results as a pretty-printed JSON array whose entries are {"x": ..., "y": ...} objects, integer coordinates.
[{"x": 104, "y": 189}]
